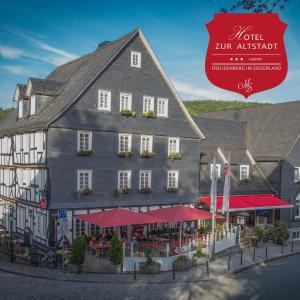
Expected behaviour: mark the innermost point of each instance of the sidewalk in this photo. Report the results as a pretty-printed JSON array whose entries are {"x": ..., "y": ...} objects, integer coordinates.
[{"x": 217, "y": 268}]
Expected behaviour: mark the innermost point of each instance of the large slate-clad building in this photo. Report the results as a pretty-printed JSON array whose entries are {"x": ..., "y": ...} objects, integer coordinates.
[
  {"x": 105, "y": 130},
  {"x": 271, "y": 134}
]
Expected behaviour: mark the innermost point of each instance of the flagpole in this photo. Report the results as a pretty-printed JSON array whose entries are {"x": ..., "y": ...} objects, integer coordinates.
[{"x": 213, "y": 204}]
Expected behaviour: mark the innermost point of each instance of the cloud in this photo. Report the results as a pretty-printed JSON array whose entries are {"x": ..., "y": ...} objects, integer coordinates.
[
  {"x": 8, "y": 52},
  {"x": 190, "y": 91},
  {"x": 17, "y": 70}
]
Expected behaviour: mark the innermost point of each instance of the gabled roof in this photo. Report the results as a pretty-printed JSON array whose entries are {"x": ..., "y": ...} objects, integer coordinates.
[
  {"x": 272, "y": 129},
  {"x": 70, "y": 81},
  {"x": 20, "y": 92},
  {"x": 37, "y": 86}
]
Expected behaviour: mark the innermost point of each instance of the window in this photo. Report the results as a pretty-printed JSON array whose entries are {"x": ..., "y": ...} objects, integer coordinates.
[
  {"x": 32, "y": 105},
  {"x": 244, "y": 172},
  {"x": 21, "y": 217},
  {"x": 145, "y": 179},
  {"x": 104, "y": 100},
  {"x": 124, "y": 179},
  {"x": 21, "y": 108},
  {"x": 172, "y": 179},
  {"x": 135, "y": 59},
  {"x": 79, "y": 227},
  {"x": 84, "y": 141},
  {"x": 148, "y": 104},
  {"x": 173, "y": 145},
  {"x": 297, "y": 174},
  {"x": 84, "y": 179},
  {"x": 125, "y": 101},
  {"x": 94, "y": 229},
  {"x": 124, "y": 142},
  {"x": 41, "y": 225},
  {"x": 297, "y": 207},
  {"x": 218, "y": 170},
  {"x": 146, "y": 143},
  {"x": 162, "y": 107}
]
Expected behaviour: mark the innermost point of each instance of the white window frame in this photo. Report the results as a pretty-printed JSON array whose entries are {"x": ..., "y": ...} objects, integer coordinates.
[
  {"x": 297, "y": 203},
  {"x": 247, "y": 171},
  {"x": 161, "y": 113},
  {"x": 218, "y": 167},
  {"x": 89, "y": 172},
  {"x": 128, "y": 172},
  {"x": 128, "y": 102},
  {"x": 296, "y": 169},
  {"x": 33, "y": 105},
  {"x": 177, "y": 145},
  {"x": 176, "y": 173},
  {"x": 21, "y": 217},
  {"x": 149, "y": 172},
  {"x": 138, "y": 56},
  {"x": 20, "y": 109},
  {"x": 108, "y": 100},
  {"x": 122, "y": 135},
  {"x": 150, "y": 137},
  {"x": 89, "y": 146},
  {"x": 41, "y": 225},
  {"x": 150, "y": 104}
]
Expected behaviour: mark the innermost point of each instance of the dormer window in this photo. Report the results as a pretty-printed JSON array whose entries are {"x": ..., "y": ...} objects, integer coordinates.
[
  {"x": 244, "y": 172},
  {"x": 135, "y": 59},
  {"x": 218, "y": 170},
  {"x": 21, "y": 109},
  {"x": 32, "y": 105}
]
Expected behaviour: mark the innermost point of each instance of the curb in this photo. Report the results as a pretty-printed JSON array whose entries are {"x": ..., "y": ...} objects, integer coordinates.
[
  {"x": 261, "y": 262},
  {"x": 140, "y": 282}
]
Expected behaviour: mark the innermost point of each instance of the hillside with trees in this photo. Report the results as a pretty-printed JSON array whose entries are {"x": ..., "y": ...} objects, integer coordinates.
[
  {"x": 4, "y": 113},
  {"x": 198, "y": 107}
]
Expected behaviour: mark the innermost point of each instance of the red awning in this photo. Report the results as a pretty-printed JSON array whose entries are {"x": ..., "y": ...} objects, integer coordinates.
[
  {"x": 249, "y": 202},
  {"x": 117, "y": 217},
  {"x": 180, "y": 213}
]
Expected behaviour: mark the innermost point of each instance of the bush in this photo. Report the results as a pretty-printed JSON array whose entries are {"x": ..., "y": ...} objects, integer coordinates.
[
  {"x": 148, "y": 254},
  {"x": 199, "y": 253},
  {"x": 78, "y": 250},
  {"x": 115, "y": 250},
  {"x": 259, "y": 233},
  {"x": 202, "y": 230},
  {"x": 280, "y": 233}
]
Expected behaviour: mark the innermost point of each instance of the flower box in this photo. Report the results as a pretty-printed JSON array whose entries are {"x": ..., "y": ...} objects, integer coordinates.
[
  {"x": 146, "y": 190},
  {"x": 153, "y": 268},
  {"x": 125, "y": 154},
  {"x": 85, "y": 152},
  {"x": 175, "y": 155},
  {"x": 120, "y": 192},
  {"x": 149, "y": 114},
  {"x": 244, "y": 180},
  {"x": 83, "y": 192},
  {"x": 147, "y": 154},
  {"x": 128, "y": 113},
  {"x": 172, "y": 190}
]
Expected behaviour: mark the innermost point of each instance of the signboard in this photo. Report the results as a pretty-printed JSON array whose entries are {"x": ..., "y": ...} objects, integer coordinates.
[
  {"x": 246, "y": 52},
  {"x": 62, "y": 214}
]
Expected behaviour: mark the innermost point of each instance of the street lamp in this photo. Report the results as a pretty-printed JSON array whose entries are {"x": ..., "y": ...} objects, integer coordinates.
[{"x": 11, "y": 219}]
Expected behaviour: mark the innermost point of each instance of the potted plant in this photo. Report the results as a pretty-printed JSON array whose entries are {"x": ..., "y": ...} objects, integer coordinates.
[
  {"x": 280, "y": 233},
  {"x": 145, "y": 190},
  {"x": 172, "y": 190},
  {"x": 147, "y": 154},
  {"x": 122, "y": 191},
  {"x": 78, "y": 255},
  {"x": 85, "y": 152},
  {"x": 115, "y": 254},
  {"x": 244, "y": 180},
  {"x": 199, "y": 257},
  {"x": 84, "y": 192},
  {"x": 259, "y": 233},
  {"x": 149, "y": 114},
  {"x": 183, "y": 263},
  {"x": 124, "y": 154},
  {"x": 175, "y": 155},
  {"x": 150, "y": 266},
  {"x": 128, "y": 113}
]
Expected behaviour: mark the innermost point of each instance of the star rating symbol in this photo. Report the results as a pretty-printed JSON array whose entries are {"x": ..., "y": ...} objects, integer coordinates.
[{"x": 236, "y": 59}]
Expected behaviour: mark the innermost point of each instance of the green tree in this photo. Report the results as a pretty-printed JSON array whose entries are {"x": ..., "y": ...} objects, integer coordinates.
[
  {"x": 115, "y": 250},
  {"x": 78, "y": 250}
]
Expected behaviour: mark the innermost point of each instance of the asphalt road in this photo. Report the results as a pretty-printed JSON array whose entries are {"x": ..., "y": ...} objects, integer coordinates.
[{"x": 277, "y": 280}]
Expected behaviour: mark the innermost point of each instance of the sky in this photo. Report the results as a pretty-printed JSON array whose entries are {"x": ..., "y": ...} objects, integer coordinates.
[{"x": 37, "y": 36}]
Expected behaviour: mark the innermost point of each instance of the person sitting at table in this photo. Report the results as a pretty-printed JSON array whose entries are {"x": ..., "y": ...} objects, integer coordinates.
[
  {"x": 184, "y": 248},
  {"x": 93, "y": 242}
]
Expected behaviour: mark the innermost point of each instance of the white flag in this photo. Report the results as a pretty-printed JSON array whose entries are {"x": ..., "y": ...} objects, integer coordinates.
[
  {"x": 226, "y": 192},
  {"x": 213, "y": 187}
]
